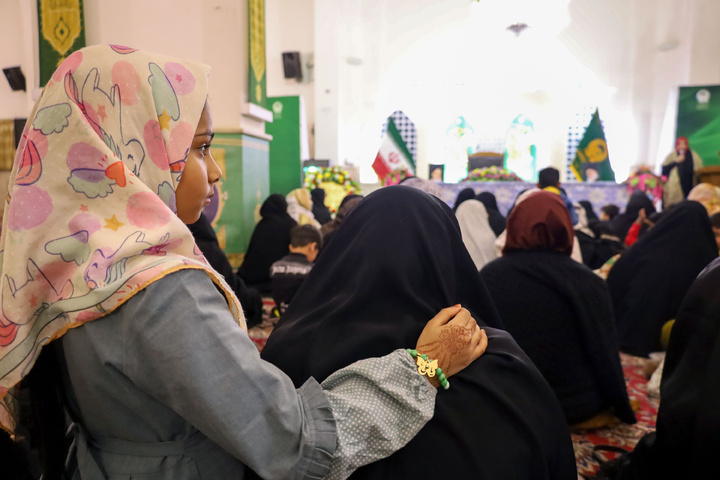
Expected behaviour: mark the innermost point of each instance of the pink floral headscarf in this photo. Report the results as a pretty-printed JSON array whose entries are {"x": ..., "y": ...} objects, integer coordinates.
[{"x": 89, "y": 219}]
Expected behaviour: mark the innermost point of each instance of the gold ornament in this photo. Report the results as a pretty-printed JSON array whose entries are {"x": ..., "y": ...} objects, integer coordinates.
[
  {"x": 426, "y": 367},
  {"x": 257, "y": 38}
]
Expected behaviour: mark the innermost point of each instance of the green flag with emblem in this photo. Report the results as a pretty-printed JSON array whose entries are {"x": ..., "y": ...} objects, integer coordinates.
[{"x": 592, "y": 162}]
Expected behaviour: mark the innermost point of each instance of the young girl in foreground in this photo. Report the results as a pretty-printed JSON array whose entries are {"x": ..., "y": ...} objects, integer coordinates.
[{"x": 148, "y": 345}]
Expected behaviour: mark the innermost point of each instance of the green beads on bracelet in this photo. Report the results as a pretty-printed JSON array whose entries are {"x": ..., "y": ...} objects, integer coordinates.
[
  {"x": 429, "y": 367},
  {"x": 443, "y": 379}
]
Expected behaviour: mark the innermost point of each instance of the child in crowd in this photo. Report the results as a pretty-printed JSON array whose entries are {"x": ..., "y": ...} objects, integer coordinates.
[
  {"x": 549, "y": 179},
  {"x": 608, "y": 212},
  {"x": 289, "y": 272}
]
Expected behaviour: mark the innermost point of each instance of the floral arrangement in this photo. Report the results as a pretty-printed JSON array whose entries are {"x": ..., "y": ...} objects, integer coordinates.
[
  {"x": 491, "y": 174},
  {"x": 334, "y": 174},
  {"x": 335, "y": 181},
  {"x": 645, "y": 180},
  {"x": 395, "y": 177}
]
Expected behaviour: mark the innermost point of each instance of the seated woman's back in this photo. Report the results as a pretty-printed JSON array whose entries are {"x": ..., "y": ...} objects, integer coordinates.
[
  {"x": 649, "y": 281},
  {"x": 558, "y": 311},
  {"x": 687, "y": 436},
  {"x": 400, "y": 255},
  {"x": 269, "y": 243}
]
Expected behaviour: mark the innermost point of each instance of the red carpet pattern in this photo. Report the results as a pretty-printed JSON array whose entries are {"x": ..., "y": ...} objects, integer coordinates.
[
  {"x": 260, "y": 333},
  {"x": 625, "y": 436}
]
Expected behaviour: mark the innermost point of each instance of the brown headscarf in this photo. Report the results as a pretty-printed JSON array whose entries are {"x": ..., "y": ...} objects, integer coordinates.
[{"x": 540, "y": 223}]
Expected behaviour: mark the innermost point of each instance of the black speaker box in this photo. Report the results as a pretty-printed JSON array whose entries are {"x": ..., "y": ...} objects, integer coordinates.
[
  {"x": 292, "y": 66},
  {"x": 18, "y": 125},
  {"x": 15, "y": 78}
]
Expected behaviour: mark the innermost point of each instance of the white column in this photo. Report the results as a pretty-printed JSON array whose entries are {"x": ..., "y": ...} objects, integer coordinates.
[{"x": 327, "y": 87}]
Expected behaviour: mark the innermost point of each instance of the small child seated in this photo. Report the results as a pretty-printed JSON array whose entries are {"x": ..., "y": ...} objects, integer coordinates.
[
  {"x": 288, "y": 273},
  {"x": 608, "y": 212}
]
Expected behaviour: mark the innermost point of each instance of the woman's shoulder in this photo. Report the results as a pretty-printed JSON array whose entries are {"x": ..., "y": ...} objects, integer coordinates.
[
  {"x": 186, "y": 287},
  {"x": 697, "y": 159},
  {"x": 494, "y": 265}
]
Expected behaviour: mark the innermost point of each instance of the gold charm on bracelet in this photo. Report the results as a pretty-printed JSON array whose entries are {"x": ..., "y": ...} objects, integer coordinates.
[{"x": 426, "y": 367}]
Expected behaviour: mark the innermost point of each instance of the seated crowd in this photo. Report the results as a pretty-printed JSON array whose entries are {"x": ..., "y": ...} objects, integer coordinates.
[
  {"x": 132, "y": 336},
  {"x": 561, "y": 292}
]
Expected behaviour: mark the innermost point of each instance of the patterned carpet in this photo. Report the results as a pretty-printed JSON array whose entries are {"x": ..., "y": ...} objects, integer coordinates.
[
  {"x": 260, "y": 333},
  {"x": 625, "y": 436}
]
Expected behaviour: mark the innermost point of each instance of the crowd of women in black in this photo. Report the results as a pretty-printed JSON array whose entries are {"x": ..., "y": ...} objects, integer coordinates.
[
  {"x": 145, "y": 356},
  {"x": 555, "y": 326}
]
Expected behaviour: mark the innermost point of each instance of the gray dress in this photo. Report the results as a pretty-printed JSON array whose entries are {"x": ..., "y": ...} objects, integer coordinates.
[{"x": 169, "y": 387}]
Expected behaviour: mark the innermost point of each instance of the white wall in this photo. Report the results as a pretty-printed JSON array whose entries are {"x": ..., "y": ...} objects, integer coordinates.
[
  {"x": 290, "y": 28},
  {"x": 214, "y": 33},
  {"x": 436, "y": 59},
  {"x": 327, "y": 56},
  {"x": 18, "y": 29}
]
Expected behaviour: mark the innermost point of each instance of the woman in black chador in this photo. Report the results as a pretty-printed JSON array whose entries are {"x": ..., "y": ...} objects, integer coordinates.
[
  {"x": 496, "y": 219},
  {"x": 687, "y": 438},
  {"x": 398, "y": 255},
  {"x": 559, "y": 311},
  {"x": 649, "y": 281},
  {"x": 269, "y": 243}
]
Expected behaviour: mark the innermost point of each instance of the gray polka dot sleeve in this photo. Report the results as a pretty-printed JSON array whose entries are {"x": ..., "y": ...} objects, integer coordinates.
[{"x": 379, "y": 405}]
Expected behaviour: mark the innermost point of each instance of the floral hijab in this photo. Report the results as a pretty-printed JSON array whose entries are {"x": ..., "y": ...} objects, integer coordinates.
[
  {"x": 300, "y": 206},
  {"x": 89, "y": 217}
]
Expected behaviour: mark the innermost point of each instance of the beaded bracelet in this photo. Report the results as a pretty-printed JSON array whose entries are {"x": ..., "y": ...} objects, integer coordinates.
[{"x": 429, "y": 367}]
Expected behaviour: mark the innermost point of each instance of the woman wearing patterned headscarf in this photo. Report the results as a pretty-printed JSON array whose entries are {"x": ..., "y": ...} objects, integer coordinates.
[{"x": 145, "y": 340}]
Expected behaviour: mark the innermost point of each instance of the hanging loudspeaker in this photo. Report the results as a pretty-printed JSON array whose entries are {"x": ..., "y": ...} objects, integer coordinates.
[
  {"x": 291, "y": 65},
  {"x": 15, "y": 78}
]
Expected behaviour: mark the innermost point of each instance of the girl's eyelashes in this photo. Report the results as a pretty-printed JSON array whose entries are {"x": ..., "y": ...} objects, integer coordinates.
[{"x": 204, "y": 148}]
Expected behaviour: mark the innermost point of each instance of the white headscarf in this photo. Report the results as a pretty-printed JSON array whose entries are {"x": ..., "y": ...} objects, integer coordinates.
[
  {"x": 477, "y": 235},
  {"x": 300, "y": 207}
]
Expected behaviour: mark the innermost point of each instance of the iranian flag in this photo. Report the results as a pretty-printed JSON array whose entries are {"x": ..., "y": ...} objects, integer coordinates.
[{"x": 393, "y": 153}]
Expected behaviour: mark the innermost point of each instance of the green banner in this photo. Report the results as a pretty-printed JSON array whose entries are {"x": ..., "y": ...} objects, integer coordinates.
[
  {"x": 256, "y": 44},
  {"x": 285, "y": 152},
  {"x": 698, "y": 119},
  {"x": 61, "y": 31},
  {"x": 592, "y": 161}
]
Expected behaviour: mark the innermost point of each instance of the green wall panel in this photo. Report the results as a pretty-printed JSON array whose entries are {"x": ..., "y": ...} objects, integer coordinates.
[
  {"x": 285, "y": 162},
  {"x": 243, "y": 188}
]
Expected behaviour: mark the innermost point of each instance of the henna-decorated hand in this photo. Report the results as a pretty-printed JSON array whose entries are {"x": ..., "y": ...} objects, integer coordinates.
[{"x": 454, "y": 339}]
